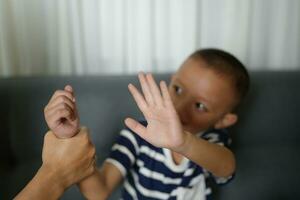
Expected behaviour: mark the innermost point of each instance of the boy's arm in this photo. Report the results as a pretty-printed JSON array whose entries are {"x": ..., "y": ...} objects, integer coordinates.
[
  {"x": 101, "y": 183},
  {"x": 164, "y": 129},
  {"x": 217, "y": 159}
]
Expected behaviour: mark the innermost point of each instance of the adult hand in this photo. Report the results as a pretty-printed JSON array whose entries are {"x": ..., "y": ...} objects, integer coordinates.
[
  {"x": 65, "y": 162},
  {"x": 71, "y": 160},
  {"x": 61, "y": 113}
]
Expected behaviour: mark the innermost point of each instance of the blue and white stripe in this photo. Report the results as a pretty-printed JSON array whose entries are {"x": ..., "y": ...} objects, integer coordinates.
[{"x": 150, "y": 172}]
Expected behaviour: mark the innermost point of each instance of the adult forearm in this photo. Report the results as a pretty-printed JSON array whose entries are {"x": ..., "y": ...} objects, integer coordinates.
[
  {"x": 217, "y": 159},
  {"x": 45, "y": 185}
]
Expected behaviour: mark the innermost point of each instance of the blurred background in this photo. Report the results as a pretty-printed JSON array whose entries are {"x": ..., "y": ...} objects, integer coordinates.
[{"x": 95, "y": 37}]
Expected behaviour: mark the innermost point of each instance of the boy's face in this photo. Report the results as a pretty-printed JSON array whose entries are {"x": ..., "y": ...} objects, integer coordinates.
[{"x": 202, "y": 98}]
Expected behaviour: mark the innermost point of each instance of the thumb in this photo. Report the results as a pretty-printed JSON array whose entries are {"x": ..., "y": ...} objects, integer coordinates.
[
  {"x": 136, "y": 127},
  {"x": 69, "y": 88}
]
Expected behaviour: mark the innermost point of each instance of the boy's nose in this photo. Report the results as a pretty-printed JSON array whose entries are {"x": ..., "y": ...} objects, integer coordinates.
[{"x": 182, "y": 110}]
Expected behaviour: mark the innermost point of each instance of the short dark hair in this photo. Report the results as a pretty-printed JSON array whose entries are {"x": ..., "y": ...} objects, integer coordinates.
[{"x": 226, "y": 64}]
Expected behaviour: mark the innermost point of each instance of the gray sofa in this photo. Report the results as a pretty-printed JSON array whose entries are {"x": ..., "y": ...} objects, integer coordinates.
[{"x": 265, "y": 142}]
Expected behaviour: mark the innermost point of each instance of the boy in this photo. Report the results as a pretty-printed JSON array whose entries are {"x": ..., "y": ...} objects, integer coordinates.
[{"x": 183, "y": 141}]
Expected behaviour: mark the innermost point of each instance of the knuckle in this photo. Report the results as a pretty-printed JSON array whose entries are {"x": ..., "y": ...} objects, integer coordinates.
[
  {"x": 67, "y": 112},
  {"x": 85, "y": 130},
  {"x": 64, "y": 106},
  {"x": 69, "y": 95},
  {"x": 91, "y": 170},
  {"x": 61, "y": 111},
  {"x": 57, "y": 92},
  {"x": 84, "y": 140},
  {"x": 93, "y": 151},
  {"x": 61, "y": 98},
  {"x": 86, "y": 137},
  {"x": 47, "y": 135},
  {"x": 86, "y": 143}
]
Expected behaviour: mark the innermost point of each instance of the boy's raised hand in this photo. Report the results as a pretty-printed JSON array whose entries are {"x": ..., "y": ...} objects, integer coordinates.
[
  {"x": 164, "y": 128},
  {"x": 61, "y": 113}
]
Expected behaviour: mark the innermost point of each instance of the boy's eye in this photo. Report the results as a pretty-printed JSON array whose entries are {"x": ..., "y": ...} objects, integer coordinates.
[
  {"x": 177, "y": 89},
  {"x": 200, "y": 106}
]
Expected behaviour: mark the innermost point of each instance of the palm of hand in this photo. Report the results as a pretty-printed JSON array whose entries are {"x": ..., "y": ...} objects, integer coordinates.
[{"x": 164, "y": 128}]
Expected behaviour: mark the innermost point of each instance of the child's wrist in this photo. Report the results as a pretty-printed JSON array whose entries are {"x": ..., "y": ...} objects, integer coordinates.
[
  {"x": 185, "y": 147},
  {"x": 66, "y": 135}
]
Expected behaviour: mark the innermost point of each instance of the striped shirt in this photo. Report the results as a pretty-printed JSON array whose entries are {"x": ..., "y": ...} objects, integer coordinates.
[{"x": 150, "y": 172}]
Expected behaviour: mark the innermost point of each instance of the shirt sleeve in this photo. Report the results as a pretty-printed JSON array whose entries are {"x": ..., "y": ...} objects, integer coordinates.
[
  {"x": 124, "y": 152},
  {"x": 220, "y": 137}
]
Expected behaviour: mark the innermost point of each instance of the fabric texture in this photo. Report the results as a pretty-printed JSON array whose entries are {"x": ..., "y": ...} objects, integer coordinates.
[
  {"x": 113, "y": 37},
  {"x": 150, "y": 172}
]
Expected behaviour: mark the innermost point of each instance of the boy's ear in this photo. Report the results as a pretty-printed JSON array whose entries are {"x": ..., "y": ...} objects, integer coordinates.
[{"x": 227, "y": 120}]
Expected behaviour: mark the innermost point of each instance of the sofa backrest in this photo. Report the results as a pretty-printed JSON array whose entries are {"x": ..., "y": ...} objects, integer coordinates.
[
  {"x": 265, "y": 140},
  {"x": 103, "y": 103}
]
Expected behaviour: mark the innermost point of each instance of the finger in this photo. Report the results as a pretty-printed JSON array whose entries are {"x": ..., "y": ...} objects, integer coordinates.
[
  {"x": 91, "y": 167},
  {"x": 136, "y": 127},
  {"x": 154, "y": 90},
  {"x": 61, "y": 92},
  {"x": 59, "y": 115},
  {"x": 49, "y": 135},
  {"x": 139, "y": 99},
  {"x": 96, "y": 158},
  {"x": 69, "y": 89},
  {"x": 84, "y": 133},
  {"x": 145, "y": 89},
  {"x": 59, "y": 100},
  {"x": 75, "y": 110},
  {"x": 61, "y": 106},
  {"x": 92, "y": 152},
  {"x": 165, "y": 94}
]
